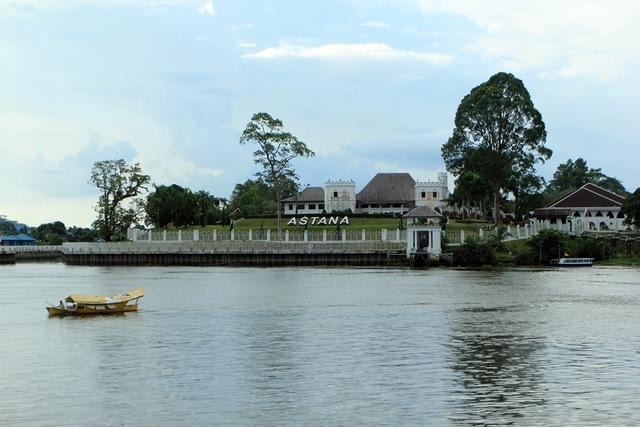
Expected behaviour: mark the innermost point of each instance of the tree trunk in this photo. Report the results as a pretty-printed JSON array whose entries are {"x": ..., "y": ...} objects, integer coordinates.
[
  {"x": 496, "y": 205},
  {"x": 279, "y": 215}
]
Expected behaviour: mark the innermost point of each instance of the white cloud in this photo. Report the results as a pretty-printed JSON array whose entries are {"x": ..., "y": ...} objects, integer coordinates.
[
  {"x": 347, "y": 51},
  {"x": 375, "y": 24},
  {"x": 552, "y": 38},
  {"x": 247, "y": 45},
  {"x": 207, "y": 8}
]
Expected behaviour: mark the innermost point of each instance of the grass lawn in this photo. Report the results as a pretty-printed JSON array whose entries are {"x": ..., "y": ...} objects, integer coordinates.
[{"x": 355, "y": 223}]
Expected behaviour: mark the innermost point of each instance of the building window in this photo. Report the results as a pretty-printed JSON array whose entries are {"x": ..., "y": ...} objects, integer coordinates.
[
  {"x": 423, "y": 195},
  {"x": 435, "y": 194},
  {"x": 312, "y": 205},
  {"x": 335, "y": 194},
  {"x": 321, "y": 206},
  {"x": 300, "y": 206},
  {"x": 290, "y": 207}
]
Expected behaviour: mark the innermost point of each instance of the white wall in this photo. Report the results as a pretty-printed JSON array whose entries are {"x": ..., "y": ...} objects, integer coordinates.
[
  {"x": 432, "y": 193},
  {"x": 339, "y": 196}
]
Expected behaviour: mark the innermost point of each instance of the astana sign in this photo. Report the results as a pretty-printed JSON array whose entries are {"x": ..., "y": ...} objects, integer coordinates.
[{"x": 319, "y": 220}]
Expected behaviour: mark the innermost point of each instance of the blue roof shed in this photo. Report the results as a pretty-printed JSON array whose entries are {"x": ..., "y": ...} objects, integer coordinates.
[{"x": 17, "y": 240}]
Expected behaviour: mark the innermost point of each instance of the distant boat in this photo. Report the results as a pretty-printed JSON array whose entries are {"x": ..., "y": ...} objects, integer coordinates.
[
  {"x": 572, "y": 262},
  {"x": 97, "y": 304}
]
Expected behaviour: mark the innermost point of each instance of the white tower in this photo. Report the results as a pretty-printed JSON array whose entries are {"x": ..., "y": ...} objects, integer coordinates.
[
  {"x": 340, "y": 196},
  {"x": 432, "y": 193}
]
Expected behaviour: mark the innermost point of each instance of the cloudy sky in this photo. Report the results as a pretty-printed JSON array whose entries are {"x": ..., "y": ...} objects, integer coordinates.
[{"x": 371, "y": 86}]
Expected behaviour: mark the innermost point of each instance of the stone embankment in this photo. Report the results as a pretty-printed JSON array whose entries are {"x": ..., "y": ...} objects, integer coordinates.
[{"x": 236, "y": 253}]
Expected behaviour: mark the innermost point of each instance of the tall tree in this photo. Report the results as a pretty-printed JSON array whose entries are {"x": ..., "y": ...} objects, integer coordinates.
[
  {"x": 119, "y": 204},
  {"x": 498, "y": 121},
  {"x": 276, "y": 150},
  {"x": 631, "y": 208}
]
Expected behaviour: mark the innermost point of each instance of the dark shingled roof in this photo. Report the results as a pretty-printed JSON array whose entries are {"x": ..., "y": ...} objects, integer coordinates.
[
  {"x": 309, "y": 194},
  {"x": 589, "y": 196},
  {"x": 422, "y": 212},
  {"x": 388, "y": 188}
]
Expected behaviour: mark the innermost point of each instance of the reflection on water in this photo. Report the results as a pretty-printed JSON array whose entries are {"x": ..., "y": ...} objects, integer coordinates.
[
  {"x": 232, "y": 346},
  {"x": 498, "y": 363}
]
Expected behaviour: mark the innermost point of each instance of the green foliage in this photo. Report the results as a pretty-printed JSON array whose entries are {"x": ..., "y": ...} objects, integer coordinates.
[
  {"x": 119, "y": 204},
  {"x": 275, "y": 151},
  {"x": 500, "y": 233},
  {"x": 475, "y": 254},
  {"x": 572, "y": 175},
  {"x": 7, "y": 228},
  {"x": 497, "y": 128},
  {"x": 80, "y": 234},
  {"x": 253, "y": 197},
  {"x": 53, "y": 233},
  {"x": 178, "y": 206},
  {"x": 525, "y": 186},
  {"x": 548, "y": 244},
  {"x": 631, "y": 208},
  {"x": 472, "y": 190}
]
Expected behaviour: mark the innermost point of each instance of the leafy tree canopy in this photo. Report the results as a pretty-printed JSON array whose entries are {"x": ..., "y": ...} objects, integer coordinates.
[
  {"x": 498, "y": 123},
  {"x": 572, "y": 175},
  {"x": 631, "y": 208},
  {"x": 119, "y": 205},
  {"x": 178, "y": 206},
  {"x": 255, "y": 197}
]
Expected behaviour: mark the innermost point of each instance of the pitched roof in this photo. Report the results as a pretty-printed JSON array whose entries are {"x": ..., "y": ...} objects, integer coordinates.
[
  {"x": 422, "y": 212},
  {"x": 388, "y": 188},
  {"x": 309, "y": 194},
  {"x": 588, "y": 196},
  {"x": 18, "y": 237}
]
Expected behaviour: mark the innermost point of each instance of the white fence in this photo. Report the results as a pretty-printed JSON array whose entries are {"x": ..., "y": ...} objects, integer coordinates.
[
  {"x": 511, "y": 232},
  {"x": 137, "y": 235},
  {"x": 23, "y": 249}
]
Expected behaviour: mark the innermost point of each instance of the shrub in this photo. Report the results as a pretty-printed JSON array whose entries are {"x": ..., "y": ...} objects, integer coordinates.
[
  {"x": 475, "y": 254},
  {"x": 547, "y": 245}
]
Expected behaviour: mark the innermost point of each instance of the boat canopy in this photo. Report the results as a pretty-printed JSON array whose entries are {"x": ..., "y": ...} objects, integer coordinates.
[
  {"x": 136, "y": 293},
  {"x": 100, "y": 299},
  {"x": 89, "y": 299}
]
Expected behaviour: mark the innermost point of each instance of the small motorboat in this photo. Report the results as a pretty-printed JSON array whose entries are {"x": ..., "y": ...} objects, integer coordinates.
[
  {"x": 572, "y": 262},
  {"x": 97, "y": 304}
]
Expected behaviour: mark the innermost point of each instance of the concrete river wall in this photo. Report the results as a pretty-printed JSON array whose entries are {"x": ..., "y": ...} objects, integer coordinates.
[{"x": 236, "y": 253}]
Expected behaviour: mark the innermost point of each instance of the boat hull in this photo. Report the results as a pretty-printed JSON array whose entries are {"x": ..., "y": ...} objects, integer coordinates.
[{"x": 93, "y": 310}]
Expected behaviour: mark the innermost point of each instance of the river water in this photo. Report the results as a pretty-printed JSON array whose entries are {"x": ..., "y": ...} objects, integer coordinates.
[{"x": 314, "y": 346}]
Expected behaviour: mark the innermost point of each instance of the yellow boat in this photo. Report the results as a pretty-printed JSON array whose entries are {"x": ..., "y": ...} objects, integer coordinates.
[{"x": 97, "y": 304}]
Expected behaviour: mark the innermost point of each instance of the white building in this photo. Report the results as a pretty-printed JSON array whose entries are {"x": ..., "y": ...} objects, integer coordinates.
[
  {"x": 308, "y": 201},
  {"x": 340, "y": 196},
  {"x": 589, "y": 208},
  {"x": 424, "y": 231},
  {"x": 432, "y": 193},
  {"x": 386, "y": 193}
]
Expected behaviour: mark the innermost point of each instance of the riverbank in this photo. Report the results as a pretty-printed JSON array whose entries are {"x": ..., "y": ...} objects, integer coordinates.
[{"x": 630, "y": 262}]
